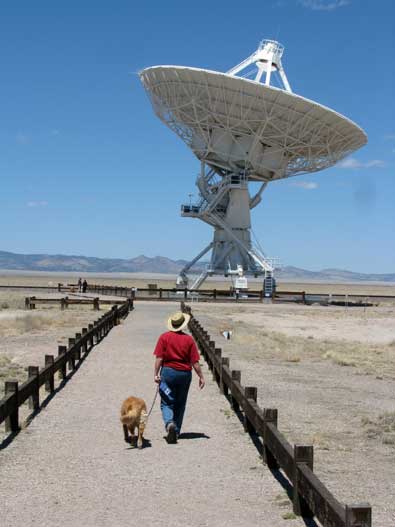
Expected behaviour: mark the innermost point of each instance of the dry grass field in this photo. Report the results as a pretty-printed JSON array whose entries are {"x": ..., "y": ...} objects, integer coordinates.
[
  {"x": 26, "y": 336},
  {"x": 330, "y": 372}
]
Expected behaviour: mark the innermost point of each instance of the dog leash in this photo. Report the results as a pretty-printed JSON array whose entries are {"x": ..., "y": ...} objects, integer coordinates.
[{"x": 153, "y": 402}]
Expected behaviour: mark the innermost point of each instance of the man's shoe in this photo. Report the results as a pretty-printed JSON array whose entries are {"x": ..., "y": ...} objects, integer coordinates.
[{"x": 171, "y": 433}]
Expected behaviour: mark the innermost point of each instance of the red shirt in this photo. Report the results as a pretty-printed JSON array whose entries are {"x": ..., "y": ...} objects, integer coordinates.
[{"x": 177, "y": 350}]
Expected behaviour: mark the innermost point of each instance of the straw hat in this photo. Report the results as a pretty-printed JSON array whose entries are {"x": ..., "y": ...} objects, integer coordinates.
[{"x": 178, "y": 321}]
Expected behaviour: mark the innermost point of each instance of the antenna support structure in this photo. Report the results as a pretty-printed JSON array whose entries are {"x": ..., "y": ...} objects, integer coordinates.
[{"x": 225, "y": 202}]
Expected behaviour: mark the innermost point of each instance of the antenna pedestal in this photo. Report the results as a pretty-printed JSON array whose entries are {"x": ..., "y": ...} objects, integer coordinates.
[{"x": 225, "y": 204}]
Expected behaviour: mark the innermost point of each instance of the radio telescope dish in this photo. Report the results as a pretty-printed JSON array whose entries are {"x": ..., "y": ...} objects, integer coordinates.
[{"x": 244, "y": 130}]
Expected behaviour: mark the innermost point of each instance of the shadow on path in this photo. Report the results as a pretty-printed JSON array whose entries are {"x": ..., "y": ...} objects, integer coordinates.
[
  {"x": 277, "y": 474},
  {"x": 193, "y": 435},
  {"x": 133, "y": 445}
]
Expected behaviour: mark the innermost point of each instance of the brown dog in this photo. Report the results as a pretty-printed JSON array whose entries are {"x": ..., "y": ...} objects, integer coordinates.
[{"x": 134, "y": 415}]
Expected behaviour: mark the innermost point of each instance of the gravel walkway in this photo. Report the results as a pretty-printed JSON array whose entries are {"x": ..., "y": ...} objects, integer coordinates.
[{"x": 71, "y": 467}]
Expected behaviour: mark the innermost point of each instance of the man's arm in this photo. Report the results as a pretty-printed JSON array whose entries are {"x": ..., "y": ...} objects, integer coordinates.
[
  {"x": 157, "y": 367},
  {"x": 198, "y": 370}
]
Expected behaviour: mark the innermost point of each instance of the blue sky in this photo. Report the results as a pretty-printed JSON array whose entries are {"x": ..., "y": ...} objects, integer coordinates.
[{"x": 87, "y": 168}]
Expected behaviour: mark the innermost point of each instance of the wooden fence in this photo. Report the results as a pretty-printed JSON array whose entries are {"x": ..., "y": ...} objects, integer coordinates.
[
  {"x": 226, "y": 295},
  {"x": 310, "y": 496},
  {"x": 202, "y": 295},
  {"x": 217, "y": 295},
  {"x": 64, "y": 303},
  {"x": 55, "y": 287},
  {"x": 70, "y": 355}
]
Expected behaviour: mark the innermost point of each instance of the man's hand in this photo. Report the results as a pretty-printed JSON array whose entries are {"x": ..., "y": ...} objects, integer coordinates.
[
  {"x": 202, "y": 383},
  {"x": 157, "y": 379}
]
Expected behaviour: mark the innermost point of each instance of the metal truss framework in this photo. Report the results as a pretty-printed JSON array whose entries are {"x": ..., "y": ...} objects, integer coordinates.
[
  {"x": 225, "y": 204},
  {"x": 238, "y": 124}
]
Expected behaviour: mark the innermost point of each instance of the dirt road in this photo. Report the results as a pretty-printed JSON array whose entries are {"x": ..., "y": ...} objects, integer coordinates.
[{"x": 71, "y": 467}]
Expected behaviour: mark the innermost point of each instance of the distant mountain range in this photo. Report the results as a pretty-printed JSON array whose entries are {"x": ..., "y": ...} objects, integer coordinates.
[{"x": 161, "y": 264}]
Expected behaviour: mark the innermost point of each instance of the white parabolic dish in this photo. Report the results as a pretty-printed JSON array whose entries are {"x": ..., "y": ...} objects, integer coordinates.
[{"x": 238, "y": 124}]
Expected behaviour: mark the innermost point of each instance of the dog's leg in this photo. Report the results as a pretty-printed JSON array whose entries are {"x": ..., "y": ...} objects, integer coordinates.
[
  {"x": 132, "y": 436},
  {"x": 125, "y": 433},
  {"x": 141, "y": 432}
]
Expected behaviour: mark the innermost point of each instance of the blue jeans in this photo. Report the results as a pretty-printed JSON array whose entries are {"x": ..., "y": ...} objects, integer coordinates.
[{"x": 178, "y": 381}]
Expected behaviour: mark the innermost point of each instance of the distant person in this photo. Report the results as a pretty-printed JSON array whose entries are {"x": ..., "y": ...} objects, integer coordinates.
[
  {"x": 84, "y": 286},
  {"x": 176, "y": 354},
  {"x": 79, "y": 285}
]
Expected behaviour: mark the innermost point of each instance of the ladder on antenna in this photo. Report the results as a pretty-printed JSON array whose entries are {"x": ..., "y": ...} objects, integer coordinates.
[{"x": 269, "y": 285}]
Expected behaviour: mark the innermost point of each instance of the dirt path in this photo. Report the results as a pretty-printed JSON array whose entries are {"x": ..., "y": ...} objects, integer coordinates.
[{"x": 71, "y": 466}]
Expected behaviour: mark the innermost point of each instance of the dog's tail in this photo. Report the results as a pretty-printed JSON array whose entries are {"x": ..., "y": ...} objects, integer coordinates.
[
  {"x": 126, "y": 418},
  {"x": 132, "y": 415}
]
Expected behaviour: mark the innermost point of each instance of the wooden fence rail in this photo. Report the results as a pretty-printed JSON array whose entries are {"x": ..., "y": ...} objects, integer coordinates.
[
  {"x": 310, "y": 496},
  {"x": 64, "y": 303},
  {"x": 76, "y": 351}
]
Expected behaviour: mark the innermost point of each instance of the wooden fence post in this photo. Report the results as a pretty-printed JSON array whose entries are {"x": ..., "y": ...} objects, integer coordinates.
[
  {"x": 201, "y": 343},
  {"x": 223, "y": 388},
  {"x": 270, "y": 415},
  {"x": 251, "y": 392},
  {"x": 90, "y": 328},
  {"x": 62, "y": 304},
  {"x": 27, "y": 302},
  {"x": 359, "y": 515},
  {"x": 96, "y": 304},
  {"x": 78, "y": 350},
  {"x": 211, "y": 347},
  {"x": 236, "y": 376},
  {"x": 71, "y": 355},
  {"x": 84, "y": 345},
  {"x": 34, "y": 400},
  {"x": 99, "y": 330},
  {"x": 95, "y": 337},
  {"x": 117, "y": 320},
  {"x": 50, "y": 383},
  {"x": 62, "y": 372},
  {"x": 12, "y": 421},
  {"x": 217, "y": 359},
  {"x": 302, "y": 454}
]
